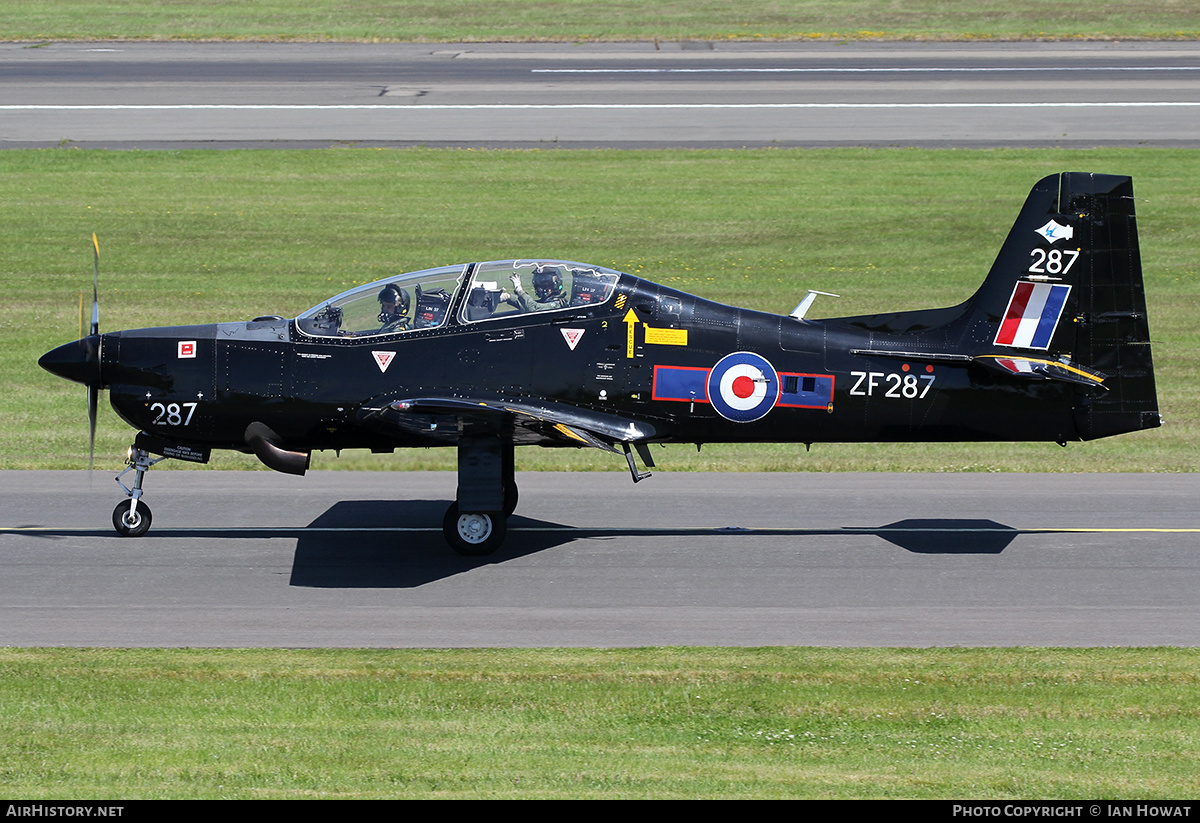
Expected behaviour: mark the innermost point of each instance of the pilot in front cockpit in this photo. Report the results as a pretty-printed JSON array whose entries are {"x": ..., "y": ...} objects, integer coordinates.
[{"x": 547, "y": 285}]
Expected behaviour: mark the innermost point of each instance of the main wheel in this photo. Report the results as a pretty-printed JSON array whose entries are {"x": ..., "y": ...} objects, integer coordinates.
[
  {"x": 474, "y": 533},
  {"x": 131, "y": 525}
]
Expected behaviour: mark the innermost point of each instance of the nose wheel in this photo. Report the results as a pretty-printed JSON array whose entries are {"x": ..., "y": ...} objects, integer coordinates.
[{"x": 131, "y": 522}]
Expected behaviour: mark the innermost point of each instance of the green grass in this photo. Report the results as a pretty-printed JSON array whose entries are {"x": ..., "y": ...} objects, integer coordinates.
[
  {"x": 202, "y": 236},
  {"x": 592, "y": 20},
  {"x": 629, "y": 723}
]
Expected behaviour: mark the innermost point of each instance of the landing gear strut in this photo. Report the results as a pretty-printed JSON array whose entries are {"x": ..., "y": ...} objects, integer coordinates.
[
  {"x": 132, "y": 517},
  {"x": 477, "y": 521}
]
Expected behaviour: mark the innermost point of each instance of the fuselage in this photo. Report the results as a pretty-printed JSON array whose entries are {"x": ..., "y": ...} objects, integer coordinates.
[{"x": 648, "y": 352}]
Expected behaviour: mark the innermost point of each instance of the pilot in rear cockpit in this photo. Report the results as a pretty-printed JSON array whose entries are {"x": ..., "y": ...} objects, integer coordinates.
[
  {"x": 547, "y": 285},
  {"x": 393, "y": 303}
]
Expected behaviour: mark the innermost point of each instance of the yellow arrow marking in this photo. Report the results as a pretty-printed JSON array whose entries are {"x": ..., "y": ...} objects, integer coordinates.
[{"x": 631, "y": 321}]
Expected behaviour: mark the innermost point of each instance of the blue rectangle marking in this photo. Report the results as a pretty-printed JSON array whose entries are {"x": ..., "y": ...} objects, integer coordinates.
[
  {"x": 682, "y": 383},
  {"x": 806, "y": 391}
]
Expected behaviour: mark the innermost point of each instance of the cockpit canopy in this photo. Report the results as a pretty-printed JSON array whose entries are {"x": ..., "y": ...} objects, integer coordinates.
[{"x": 469, "y": 293}]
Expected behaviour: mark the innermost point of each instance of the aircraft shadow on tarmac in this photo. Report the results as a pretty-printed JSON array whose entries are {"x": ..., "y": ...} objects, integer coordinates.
[
  {"x": 381, "y": 544},
  {"x": 388, "y": 544},
  {"x": 395, "y": 544}
]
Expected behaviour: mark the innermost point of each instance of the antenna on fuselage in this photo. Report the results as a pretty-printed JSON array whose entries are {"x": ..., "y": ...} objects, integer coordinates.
[{"x": 804, "y": 305}]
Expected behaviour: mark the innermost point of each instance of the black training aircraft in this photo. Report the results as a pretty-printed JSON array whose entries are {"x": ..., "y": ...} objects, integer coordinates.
[{"x": 1054, "y": 346}]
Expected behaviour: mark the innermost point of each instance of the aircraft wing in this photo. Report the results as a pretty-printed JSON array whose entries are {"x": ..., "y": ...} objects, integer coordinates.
[{"x": 537, "y": 420}]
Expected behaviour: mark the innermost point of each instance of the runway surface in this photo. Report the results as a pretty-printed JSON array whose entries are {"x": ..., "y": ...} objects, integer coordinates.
[
  {"x": 166, "y": 95},
  {"x": 345, "y": 559}
]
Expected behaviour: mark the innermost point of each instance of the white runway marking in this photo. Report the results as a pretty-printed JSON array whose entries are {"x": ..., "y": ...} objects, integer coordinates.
[{"x": 869, "y": 70}]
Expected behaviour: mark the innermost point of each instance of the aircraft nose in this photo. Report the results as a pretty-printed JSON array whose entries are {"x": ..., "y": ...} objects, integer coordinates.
[{"x": 78, "y": 361}]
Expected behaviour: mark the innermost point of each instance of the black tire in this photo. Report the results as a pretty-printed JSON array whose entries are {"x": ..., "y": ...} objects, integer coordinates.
[
  {"x": 510, "y": 498},
  {"x": 136, "y": 526},
  {"x": 474, "y": 533}
]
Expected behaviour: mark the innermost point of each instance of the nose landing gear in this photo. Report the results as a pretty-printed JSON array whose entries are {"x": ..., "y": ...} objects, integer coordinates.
[{"x": 132, "y": 517}]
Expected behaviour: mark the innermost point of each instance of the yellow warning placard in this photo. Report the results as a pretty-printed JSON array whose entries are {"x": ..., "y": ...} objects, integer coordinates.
[{"x": 666, "y": 337}]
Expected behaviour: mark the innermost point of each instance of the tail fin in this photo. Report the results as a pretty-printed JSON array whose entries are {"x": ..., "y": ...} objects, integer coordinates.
[{"x": 1064, "y": 300}]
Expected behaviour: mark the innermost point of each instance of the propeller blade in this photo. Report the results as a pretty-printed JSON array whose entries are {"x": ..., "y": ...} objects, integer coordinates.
[
  {"x": 93, "y": 398},
  {"x": 95, "y": 286},
  {"x": 94, "y": 390}
]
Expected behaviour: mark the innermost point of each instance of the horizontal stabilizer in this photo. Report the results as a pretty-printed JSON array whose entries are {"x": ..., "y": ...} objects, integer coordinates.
[{"x": 1046, "y": 369}]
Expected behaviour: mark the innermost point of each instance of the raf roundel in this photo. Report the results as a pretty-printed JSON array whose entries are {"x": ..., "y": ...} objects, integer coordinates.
[{"x": 743, "y": 387}]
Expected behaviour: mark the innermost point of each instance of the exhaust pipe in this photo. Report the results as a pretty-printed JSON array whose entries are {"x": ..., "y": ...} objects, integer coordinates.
[{"x": 268, "y": 448}]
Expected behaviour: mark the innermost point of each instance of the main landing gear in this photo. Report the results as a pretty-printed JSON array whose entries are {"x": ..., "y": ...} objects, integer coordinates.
[
  {"x": 477, "y": 521},
  {"x": 132, "y": 517}
]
